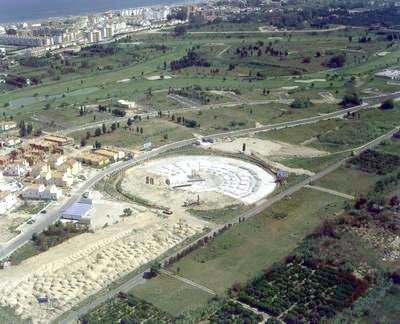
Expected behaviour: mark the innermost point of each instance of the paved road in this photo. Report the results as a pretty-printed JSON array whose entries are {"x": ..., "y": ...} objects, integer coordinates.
[
  {"x": 73, "y": 315},
  {"x": 46, "y": 219},
  {"x": 372, "y": 100},
  {"x": 52, "y": 216},
  {"x": 259, "y": 31}
]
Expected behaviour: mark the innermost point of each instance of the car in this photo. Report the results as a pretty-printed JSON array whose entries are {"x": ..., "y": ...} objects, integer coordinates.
[
  {"x": 31, "y": 221},
  {"x": 44, "y": 211},
  {"x": 167, "y": 212}
]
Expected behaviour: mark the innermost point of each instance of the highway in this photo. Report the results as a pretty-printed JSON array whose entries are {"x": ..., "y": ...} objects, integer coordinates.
[
  {"x": 236, "y": 103},
  {"x": 46, "y": 219}
]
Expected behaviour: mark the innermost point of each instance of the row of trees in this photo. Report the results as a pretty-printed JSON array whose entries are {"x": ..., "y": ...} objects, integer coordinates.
[{"x": 192, "y": 58}]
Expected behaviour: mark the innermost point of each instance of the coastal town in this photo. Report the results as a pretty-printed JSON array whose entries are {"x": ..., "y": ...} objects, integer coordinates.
[{"x": 71, "y": 33}]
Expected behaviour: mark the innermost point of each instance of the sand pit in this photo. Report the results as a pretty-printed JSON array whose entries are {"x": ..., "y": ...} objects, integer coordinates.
[
  {"x": 234, "y": 178},
  {"x": 384, "y": 53},
  {"x": 123, "y": 81},
  {"x": 158, "y": 77},
  {"x": 310, "y": 81},
  {"x": 267, "y": 148},
  {"x": 290, "y": 88},
  {"x": 81, "y": 266}
]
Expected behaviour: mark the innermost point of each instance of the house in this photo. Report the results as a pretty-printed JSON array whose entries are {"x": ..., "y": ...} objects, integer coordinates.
[
  {"x": 10, "y": 141},
  {"x": 33, "y": 158},
  {"x": 62, "y": 179},
  {"x": 41, "y": 145},
  {"x": 56, "y": 160},
  {"x": 17, "y": 169},
  {"x": 38, "y": 169},
  {"x": 93, "y": 159},
  {"x": 59, "y": 140},
  {"x": 7, "y": 125},
  {"x": 7, "y": 201},
  {"x": 45, "y": 178},
  {"x": 74, "y": 165},
  {"x": 112, "y": 154},
  {"x": 41, "y": 192}
]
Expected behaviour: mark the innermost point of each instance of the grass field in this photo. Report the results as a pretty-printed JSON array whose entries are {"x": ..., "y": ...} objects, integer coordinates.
[
  {"x": 171, "y": 295},
  {"x": 156, "y": 131},
  {"x": 349, "y": 181},
  {"x": 248, "y": 248},
  {"x": 245, "y": 116},
  {"x": 314, "y": 164},
  {"x": 219, "y": 216},
  {"x": 300, "y": 134}
]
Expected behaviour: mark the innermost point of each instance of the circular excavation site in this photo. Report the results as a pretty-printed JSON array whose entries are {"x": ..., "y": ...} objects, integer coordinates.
[{"x": 237, "y": 179}]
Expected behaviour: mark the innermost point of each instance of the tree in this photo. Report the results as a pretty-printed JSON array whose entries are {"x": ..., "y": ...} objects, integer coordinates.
[
  {"x": 104, "y": 128},
  {"x": 88, "y": 135},
  {"x": 336, "y": 61},
  {"x": 300, "y": 103},
  {"x": 180, "y": 30},
  {"x": 97, "y": 145},
  {"x": 129, "y": 122},
  {"x": 22, "y": 129},
  {"x": 141, "y": 130},
  {"x": 351, "y": 99},
  {"x": 113, "y": 127},
  {"x": 155, "y": 269},
  {"x": 97, "y": 132},
  {"x": 387, "y": 104},
  {"x": 127, "y": 212},
  {"x": 83, "y": 142}
]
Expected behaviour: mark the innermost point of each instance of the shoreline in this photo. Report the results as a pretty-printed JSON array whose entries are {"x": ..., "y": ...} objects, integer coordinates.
[{"x": 174, "y": 3}]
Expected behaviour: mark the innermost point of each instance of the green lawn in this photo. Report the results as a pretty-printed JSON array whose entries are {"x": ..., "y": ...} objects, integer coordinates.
[
  {"x": 246, "y": 249},
  {"x": 157, "y": 131},
  {"x": 314, "y": 164},
  {"x": 219, "y": 216},
  {"x": 350, "y": 181},
  {"x": 247, "y": 116},
  {"x": 171, "y": 295},
  {"x": 300, "y": 134}
]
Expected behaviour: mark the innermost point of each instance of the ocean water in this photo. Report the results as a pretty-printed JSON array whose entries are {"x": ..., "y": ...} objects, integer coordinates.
[{"x": 31, "y": 10}]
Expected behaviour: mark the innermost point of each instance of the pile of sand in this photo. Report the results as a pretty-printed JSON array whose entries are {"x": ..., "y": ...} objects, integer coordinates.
[
  {"x": 267, "y": 148},
  {"x": 74, "y": 270},
  {"x": 158, "y": 77},
  {"x": 310, "y": 81}
]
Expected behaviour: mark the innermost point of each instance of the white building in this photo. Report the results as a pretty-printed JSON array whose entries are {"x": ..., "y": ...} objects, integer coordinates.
[
  {"x": 41, "y": 192},
  {"x": 62, "y": 179},
  {"x": 56, "y": 160},
  {"x": 17, "y": 169},
  {"x": 7, "y": 201},
  {"x": 7, "y": 125},
  {"x": 389, "y": 74}
]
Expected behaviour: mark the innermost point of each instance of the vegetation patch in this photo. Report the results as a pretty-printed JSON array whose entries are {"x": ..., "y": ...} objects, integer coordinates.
[
  {"x": 375, "y": 162},
  {"x": 126, "y": 308},
  {"x": 302, "y": 291},
  {"x": 55, "y": 234}
]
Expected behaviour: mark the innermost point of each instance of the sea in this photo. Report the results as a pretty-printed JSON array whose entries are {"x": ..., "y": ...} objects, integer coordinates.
[{"x": 13, "y": 11}]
